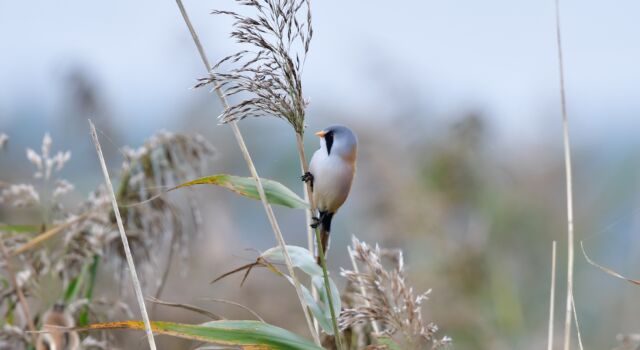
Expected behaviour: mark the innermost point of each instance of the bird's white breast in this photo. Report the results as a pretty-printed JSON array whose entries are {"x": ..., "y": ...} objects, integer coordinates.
[{"x": 332, "y": 177}]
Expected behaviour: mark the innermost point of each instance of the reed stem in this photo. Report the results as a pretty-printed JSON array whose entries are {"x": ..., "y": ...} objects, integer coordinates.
[
  {"x": 309, "y": 213},
  {"x": 552, "y": 296},
  {"x": 569, "y": 181},
  {"x": 125, "y": 241},
  {"x": 304, "y": 167}
]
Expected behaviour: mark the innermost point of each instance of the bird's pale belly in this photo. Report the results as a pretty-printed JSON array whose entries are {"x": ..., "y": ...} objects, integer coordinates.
[{"x": 331, "y": 184}]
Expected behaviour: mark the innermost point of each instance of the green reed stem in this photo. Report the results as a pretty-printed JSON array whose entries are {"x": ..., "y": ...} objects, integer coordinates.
[{"x": 327, "y": 287}]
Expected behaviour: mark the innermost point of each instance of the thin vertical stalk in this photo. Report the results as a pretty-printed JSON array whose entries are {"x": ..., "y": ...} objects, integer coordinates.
[
  {"x": 575, "y": 318},
  {"x": 569, "y": 181},
  {"x": 327, "y": 287},
  {"x": 254, "y": 174},
  {"x": 308, "y": 213},
  {"x": 323, "y": 261},
  {"x": 14, "y": 282},
  {"x": 125, "y": 241},
  {"x": 552, "y": 295},
  {"x": 307, "y": 189}
]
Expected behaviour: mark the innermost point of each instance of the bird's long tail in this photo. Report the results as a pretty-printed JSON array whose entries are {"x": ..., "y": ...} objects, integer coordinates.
[{"x": 325, "y": 228}]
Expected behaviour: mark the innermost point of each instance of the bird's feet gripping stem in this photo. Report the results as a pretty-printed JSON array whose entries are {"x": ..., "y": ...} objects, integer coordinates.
[
  {"x": 315, "y": 222},
  {"x": 307, "y": 177}
]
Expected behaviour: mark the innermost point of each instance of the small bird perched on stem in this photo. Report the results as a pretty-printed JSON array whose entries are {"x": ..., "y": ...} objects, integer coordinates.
[
  {"x": 53, "y": 337},
  {"x": 330, "y": 175}
]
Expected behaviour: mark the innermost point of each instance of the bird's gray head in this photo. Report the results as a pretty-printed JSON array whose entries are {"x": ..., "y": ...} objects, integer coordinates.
[
  {"x": 59, "y": 306},
  {"x": 339, "y": 140}
]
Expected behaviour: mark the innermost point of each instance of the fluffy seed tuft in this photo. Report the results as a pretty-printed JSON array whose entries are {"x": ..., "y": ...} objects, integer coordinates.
[{"x": 380, "y": 295}]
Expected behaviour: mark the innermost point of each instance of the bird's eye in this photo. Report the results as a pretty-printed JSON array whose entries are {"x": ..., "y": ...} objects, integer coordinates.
[{"x": 328, "y": 138}]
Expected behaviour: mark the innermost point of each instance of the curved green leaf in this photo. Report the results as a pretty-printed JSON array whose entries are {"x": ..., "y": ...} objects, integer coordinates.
[
  {"x": 276, "y": 192},
  {"x": 318, "y": 281},
  {"x": 254, "y": 335},
  {"x": 304, "y": 260},
  {"x": 300, "y": 258},
  {"x": 319, "y": 312}
]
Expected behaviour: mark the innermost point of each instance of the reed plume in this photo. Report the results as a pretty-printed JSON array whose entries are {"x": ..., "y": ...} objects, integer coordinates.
[{"x": 278, "y": 34}]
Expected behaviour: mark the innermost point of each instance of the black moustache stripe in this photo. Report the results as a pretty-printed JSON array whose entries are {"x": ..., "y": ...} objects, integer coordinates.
[{"x": 328, "y": 138}]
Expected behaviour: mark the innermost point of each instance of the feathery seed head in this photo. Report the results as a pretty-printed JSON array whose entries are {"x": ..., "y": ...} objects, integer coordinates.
[{"x": 269, "y": 75}]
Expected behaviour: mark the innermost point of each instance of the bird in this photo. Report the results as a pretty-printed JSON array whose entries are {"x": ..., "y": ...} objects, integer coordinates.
[
  {"x": 331, "y": 172},
  {"x": 53, "y": 337}
]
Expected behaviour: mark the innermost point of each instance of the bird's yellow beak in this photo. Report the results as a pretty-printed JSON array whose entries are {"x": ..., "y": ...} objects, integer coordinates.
[{"x": 321, "y": 133}]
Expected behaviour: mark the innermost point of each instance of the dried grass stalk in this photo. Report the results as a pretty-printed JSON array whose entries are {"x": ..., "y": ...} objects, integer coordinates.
[
  {"x": 552, "y": 296},
  {"x": 569, "y": 181},
  {"x": 125, "y": 242}
]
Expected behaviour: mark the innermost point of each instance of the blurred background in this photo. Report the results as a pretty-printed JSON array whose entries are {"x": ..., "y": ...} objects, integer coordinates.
[{"x": 456, "y": 105}]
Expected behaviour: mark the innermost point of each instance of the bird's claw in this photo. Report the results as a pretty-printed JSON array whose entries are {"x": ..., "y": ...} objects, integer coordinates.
[
  {"x": 315, "y": 221},
  {"x": 307, "y": 177}
]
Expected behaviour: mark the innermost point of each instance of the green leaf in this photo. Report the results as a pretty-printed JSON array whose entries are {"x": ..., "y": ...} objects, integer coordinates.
[
  {"x": 74, "y": 286},
  {"x": 300, "y": 258},
  {"x": 304, "y": 260},
  {"x": 276, "y": 192},
  {"x": 93, "y": 272},
  {"x": 321, "y": 314},
  {"x": 19, "y": 228},
  {"x": 253, "y": 335},
  {"x": 318, "y": 281}
]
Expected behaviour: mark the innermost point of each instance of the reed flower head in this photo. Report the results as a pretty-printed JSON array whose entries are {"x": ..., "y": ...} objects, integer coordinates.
[
  {"x": 278, "y": 36},
  {"x": 44, "y": 162},
  {"x": 20, "y": 196},
  {"x": 381, "y": 295},
  {"x": 153, "y": 223}
]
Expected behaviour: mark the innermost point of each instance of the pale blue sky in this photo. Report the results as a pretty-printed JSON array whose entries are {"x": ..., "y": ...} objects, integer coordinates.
[{"x": 496, "y": 56}]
